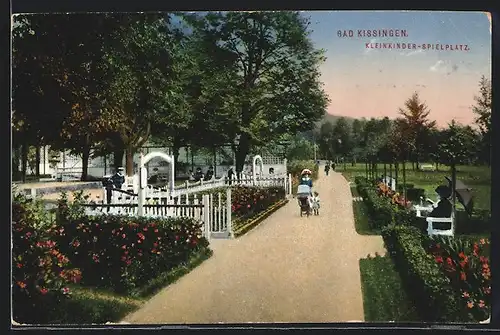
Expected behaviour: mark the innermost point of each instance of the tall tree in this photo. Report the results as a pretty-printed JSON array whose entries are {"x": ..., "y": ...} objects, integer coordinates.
[
  {"x": 275, "y": 69},
  {"x": 482, "y": 110},
  {"x": 456, "y": 148},
  {"x": 416, "y": 114},
  {"x": 325, "y": 140}
]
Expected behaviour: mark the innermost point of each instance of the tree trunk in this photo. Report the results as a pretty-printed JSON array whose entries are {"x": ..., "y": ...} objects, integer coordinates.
[
  {"x": 396, "y": 168},
  {"x": 37, "y": 161},
  {"x": 241, "y": 154},
  {"x": 192, "y": 159},
  {"x": 404, "y": 180},
  {"x": 117, "y": 159},
  {"x": 385, "y": 169},
  {"x": 24, "y": 161},
  {"x": 129, "y": 161},
  {"x": 85, "y": 163},
  {"x": 453, "y": 195},
  {"x": 215, "y": 160},
  {"x": 175, "y": 151}
]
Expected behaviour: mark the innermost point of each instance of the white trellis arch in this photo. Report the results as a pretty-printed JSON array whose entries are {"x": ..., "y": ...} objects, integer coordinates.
[
  {"x": 254, "y": 174},
  {"x": 143, "y": 176}
]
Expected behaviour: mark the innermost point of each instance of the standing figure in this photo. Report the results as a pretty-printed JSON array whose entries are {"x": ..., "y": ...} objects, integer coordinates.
[{"x": 118, "y": 178}]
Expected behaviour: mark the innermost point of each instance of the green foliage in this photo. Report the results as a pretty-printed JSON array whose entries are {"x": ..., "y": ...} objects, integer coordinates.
[
  {"x": 381, "y": 211},
  {"x": 41, "y": 270},
  {"x": 423, "y": 279},
  {"x": 458, "y": 144},
  {"x": 300, "y": 149},
  {"x": 384, "y": 297},
  {"x": 122, "y": 253},
  {"x": 277, "y": 92}
]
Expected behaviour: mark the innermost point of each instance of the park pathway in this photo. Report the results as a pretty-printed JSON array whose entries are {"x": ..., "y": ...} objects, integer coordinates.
[{"x": 288, "y": 269}]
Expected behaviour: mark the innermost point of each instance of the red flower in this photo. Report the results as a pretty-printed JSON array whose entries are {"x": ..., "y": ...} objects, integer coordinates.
[
  {"x": 43, "y": 290},
  {"x": 65, "y": 290},
  {"x": 439, "y": 259},
  {"x": 487, "y": 290},
  {"x": 124, "y": 246},
  {"x": 76, "y": 243},
  {"x": 463, "y": 276},
  {"x": 145, "y": 229},
  {"x": 123, "y": 235},
  {"x": 21, "y": 284},
  {"x": 462, "y": 255},
  {"x": 19, "y": 265},
  {"x": 449, "y": 261},
  {"x": 156, "y": 230},
  {"x": 483, "y": 259}
]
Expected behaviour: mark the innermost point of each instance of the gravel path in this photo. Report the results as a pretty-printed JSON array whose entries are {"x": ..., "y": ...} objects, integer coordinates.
[{"x": 288, "y": 269}]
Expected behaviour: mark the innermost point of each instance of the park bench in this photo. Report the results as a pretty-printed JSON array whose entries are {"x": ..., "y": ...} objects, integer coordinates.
[
  {"x": 427, "y": 167},
  {"x": 432, "y": 230}
]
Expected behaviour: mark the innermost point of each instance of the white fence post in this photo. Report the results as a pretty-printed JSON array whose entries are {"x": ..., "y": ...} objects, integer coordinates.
[
  {"x": 229, "y": 212},
  {"x": 206, "y": 215},
  {"x": 289, "y": 183}
]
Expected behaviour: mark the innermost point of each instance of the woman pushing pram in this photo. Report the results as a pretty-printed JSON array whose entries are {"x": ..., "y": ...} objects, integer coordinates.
[{"x": 304, "y": 192}]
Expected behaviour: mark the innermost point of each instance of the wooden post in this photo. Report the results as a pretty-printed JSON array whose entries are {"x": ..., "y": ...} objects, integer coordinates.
[
  {"x": 229, "y": 212},
  {"x": 206, "y": 215},
  {"x": 453, "y": 195}
]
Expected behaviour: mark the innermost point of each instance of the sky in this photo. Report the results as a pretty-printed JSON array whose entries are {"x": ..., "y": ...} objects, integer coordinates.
[{"x": 376, "y": 82}]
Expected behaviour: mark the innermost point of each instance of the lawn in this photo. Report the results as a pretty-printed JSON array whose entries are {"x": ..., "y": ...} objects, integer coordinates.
[
  {"x": 361, "y": 219},
  {"x": 476, "y": 177},
  {"x": 384, "y": 298}
]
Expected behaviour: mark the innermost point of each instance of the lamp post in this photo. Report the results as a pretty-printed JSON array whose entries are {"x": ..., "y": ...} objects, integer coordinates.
[{"x": 236, "y": 142}]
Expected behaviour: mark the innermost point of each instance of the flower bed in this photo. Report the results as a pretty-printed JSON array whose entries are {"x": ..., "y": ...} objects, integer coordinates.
[
  {"x": 422, "y": 276},
  {"x": 126, "y": 255},
  {"x": 466, "y": 264},
  {"x": 384, "y": 206},
  {"x": 247, "y": 202},
  {"x": 123, "y": 253},
  {"x": 41, "y": 272}
]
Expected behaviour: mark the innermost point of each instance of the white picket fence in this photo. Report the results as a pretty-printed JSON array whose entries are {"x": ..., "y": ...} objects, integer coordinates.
[
  {"x": 157, "y": 193},
  {"x": 212, "y": 210}
]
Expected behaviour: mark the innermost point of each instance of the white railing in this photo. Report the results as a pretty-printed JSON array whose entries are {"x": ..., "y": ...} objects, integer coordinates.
[{"x": 213, "y": 210}]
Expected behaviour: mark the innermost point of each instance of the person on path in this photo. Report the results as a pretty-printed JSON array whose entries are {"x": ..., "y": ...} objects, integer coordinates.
[
  {"x": 327, "y": 169},
  {"x": 210, "y": 173},
  {"x": 198, "y": 175},
  {"x": 118, "y": 178},
  {"x": 230, "y": 174}
]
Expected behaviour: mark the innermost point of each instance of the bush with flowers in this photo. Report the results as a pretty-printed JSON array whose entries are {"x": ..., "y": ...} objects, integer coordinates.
[
  {"x": 385, "y": 207},
  {"x": 123, "y": 253},
  {"x": 466, "y": 264},
  {"x": 41, "y": 270},
  {"x": 422, "y": 276},
  {"x": 247, "y": 201}
]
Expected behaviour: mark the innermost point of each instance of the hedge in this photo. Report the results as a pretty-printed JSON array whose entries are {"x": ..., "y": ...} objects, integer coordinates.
[
  {"x": 430, "y": 289},
  {"x": 381, "y": 210}
]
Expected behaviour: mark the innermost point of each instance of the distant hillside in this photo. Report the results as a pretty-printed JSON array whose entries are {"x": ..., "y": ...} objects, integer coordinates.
[{"x": 332, "y": 119}]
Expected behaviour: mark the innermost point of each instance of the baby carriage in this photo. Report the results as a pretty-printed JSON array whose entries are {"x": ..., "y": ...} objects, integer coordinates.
[{"x": 303, "y": 195}]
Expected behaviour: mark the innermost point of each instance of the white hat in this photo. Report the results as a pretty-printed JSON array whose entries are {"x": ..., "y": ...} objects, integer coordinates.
[{"x": 120, "y": 168}]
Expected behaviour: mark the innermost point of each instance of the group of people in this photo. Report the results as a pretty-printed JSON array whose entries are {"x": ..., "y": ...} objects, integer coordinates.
[
  {"x": 329, "y": 165},
  {"x": 198, "y": 175},
  {"x": 305, "y": 195}
]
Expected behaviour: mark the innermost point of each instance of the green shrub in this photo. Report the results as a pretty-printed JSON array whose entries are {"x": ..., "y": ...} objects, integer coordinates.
[
  {"x": 41, "y": 272},
  {"x": 121, "y": 252},
  {"x": 425, "y": 282},
  {"x": 414, "y": 194},
  {"x": 296, "y": 167}
]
